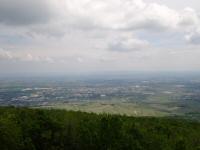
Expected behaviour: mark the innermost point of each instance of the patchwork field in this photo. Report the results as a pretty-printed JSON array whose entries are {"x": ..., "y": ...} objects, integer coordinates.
[{"x": 130, "y": 109}]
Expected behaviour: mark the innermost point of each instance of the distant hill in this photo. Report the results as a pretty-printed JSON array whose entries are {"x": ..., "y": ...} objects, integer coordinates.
[{"x": 43, "y": 129}]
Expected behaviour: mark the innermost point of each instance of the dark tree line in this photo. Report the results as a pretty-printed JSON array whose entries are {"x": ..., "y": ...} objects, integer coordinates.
[{"x": 37, "y": 129}]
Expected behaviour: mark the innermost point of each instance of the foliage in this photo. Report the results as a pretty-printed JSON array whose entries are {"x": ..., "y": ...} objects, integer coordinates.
[{"x": 42, "y": 129}]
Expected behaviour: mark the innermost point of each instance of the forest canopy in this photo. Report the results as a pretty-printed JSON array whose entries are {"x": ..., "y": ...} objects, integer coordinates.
[{"x": 42, "y": 129}]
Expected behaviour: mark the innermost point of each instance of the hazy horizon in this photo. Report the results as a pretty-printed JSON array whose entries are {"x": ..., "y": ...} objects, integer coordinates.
[{"x": 109, "y": 75}]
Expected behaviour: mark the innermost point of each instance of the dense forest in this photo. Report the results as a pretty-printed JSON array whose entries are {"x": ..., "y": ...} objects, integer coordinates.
[{"x": 42, "y": 129}]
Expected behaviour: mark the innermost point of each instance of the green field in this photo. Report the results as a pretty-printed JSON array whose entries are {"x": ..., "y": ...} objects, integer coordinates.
[{"x": 123, "y": 108}]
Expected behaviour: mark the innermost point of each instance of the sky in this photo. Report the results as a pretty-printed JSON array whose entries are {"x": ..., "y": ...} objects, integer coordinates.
[{"x": 83, "y": 36}]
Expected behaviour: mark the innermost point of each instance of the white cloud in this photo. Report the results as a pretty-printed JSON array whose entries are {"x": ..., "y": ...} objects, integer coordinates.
[
  {"x": 5, "y": 54},
  {"x": 194, "y": 37},
  {"x": 189, "y": 17},
  {"x": 128, "y": 14},
  {"x": 56, "y": 18},
  {"x": 116, "y": 14},
  {"x": 126, "y": 45},
  {"x": 92, "y": 34},
  {"x": 120, "y": 15}
]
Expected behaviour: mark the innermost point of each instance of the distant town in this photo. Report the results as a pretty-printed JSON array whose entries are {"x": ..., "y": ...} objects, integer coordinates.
[{"x": 157, "y": 96}]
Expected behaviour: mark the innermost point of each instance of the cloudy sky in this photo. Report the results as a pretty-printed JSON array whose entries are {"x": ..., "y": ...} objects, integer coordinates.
[{"x": 74, "y": 36}]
